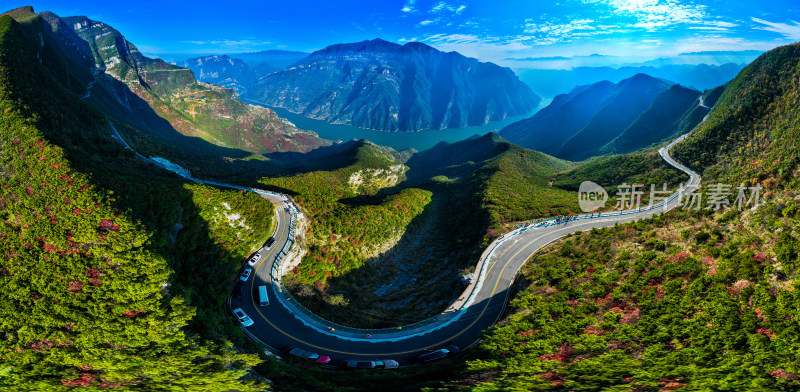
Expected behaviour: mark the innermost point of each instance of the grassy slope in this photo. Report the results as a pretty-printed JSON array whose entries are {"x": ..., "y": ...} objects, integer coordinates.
[{"x": 86, "y": 246}]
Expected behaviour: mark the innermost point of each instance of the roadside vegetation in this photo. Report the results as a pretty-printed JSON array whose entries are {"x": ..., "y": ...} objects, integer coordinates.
[
  {"x": 681, "y": 301},
  {"x": 111, "y": 267}
]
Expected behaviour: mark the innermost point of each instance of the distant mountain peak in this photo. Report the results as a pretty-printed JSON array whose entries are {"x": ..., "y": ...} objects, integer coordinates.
[
  {"x": 377, "y": 84},
  {"x": 20, "y": 12}
]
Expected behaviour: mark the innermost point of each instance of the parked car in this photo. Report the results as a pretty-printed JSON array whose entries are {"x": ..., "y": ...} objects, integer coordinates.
[
  {"x": 255, "y": 259},
  {"x": 453, "y": 349},
  {"x": 297, "y": 352},
  {"x": 237, "y": 289},
  {"x": 355, "y": 364},
  {"x": 387, "y": 364},
  {"x": 246, "y": 274},
  {"x": 242, "y": 317},
  {"x": 270, "y": 243},
  {"x": 323, "y": 359},
  {"x": 432, "y": 355}
]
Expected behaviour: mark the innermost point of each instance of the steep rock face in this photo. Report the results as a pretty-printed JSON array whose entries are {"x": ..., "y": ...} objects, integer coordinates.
[
  {"x": 143, "y": 92},
  {"x": 385, "y": 86}
]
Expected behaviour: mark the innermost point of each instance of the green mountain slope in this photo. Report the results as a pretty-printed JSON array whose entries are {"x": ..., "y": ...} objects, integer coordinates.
[
  {"x": 631, "y": 98},
  {"x": 662, "y": 121},
  {"x": 98, "y": 290},
  {"x": 511, "y": 182},
  {"x": 693, "y": 300},
  {"x": 751, "y": 135},
  {"x": 642, "y": 307},
  {"x": 549, "y": 128},
  {"x": 606, "y": 118}
]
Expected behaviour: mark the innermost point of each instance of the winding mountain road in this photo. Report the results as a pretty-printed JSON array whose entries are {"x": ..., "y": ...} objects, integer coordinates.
[{"x": 284, "y": 324}]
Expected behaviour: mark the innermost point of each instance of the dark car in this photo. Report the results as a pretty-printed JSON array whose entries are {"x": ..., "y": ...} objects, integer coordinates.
[
  {"x": 309, "y": 355},
  {"x": 433, "y": 355},
  {"x": 237, "y": 290},
  {"x": 355, "y": 364},
  {"x": 453, "y": 349}
]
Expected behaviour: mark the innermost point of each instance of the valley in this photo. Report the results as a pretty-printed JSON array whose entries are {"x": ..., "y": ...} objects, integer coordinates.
[{"x": 336, "y": 216}]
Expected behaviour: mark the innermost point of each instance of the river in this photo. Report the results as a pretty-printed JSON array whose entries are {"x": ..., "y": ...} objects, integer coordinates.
[{"x": 420, "y": 140}]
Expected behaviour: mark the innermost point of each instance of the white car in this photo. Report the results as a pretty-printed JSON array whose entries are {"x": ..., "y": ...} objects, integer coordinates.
[
  {"x": 242, "y": 317},
  {"x": 246, "y": 274},
  {"x": 255, "y": 259}
]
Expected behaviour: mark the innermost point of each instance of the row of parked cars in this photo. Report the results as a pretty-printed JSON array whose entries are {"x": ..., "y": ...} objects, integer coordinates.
[
  {"x": 353, "y": 363},
  {"x": 428, "y": 356}
]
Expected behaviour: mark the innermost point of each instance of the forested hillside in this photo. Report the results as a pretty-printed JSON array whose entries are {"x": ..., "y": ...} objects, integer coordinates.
[
  {"x": 753, "y": 133},
  {"x": 115, "y": 272},
  {"x": 692, "y": 300}
]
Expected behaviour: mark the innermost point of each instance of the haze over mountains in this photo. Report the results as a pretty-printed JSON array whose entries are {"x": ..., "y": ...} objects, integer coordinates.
[
  {"x": 386, "y": 86},
  {"x": 240, "y": 71},
  {"x": 608, "y": 118},
  {"x": 551, "y": 82},
  {"x": 117, "y": 273}
]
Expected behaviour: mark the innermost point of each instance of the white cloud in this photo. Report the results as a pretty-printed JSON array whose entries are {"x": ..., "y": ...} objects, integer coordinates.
[
  {"x": 484, "y": 48},
  {"x": 231, "y": 43},
  {"x": 790, "y": 31},
  {"x": 408, "y": 7},
  {"x": 427, "y": 22},
  {"x": 656, "y": 14},
  {"x": 442, "y": 7},
  {"x": 547, "y": 32}
]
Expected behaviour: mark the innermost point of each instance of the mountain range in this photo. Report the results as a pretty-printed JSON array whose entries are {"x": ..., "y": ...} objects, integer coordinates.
[
  {"x": 241, "y": 70},
  {"x": 116, "y": 273},
  {"x": 551, "y": 82},
  {"x": 605, "y": 118},
  {"x": 163, "y": 100},
  {"x": 386, "y": 86}
]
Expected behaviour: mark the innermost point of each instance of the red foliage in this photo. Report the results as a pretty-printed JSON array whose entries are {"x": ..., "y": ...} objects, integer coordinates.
[
  {"x": 528, "y": 332},
  {"x": 781, "y": 373},
  {"x": 134, "y": 313},
  {"x": 84, "y": 380},
  {"x": 563, "y": 353},
  {"x": 75, "y": 286},
  {"x": 766, "y": 332}
]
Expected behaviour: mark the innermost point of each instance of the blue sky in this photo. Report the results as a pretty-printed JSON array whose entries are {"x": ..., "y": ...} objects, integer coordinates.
[{"x": 496, "y": 30}]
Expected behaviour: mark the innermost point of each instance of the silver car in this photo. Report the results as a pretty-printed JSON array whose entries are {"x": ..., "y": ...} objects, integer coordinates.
[
  {"x": 387, "y": 364},
  {"x": 255, "y": 259}
]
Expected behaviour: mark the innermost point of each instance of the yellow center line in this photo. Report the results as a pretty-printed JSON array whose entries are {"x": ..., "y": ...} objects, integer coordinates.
[{"x": 483, "y": 311}]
